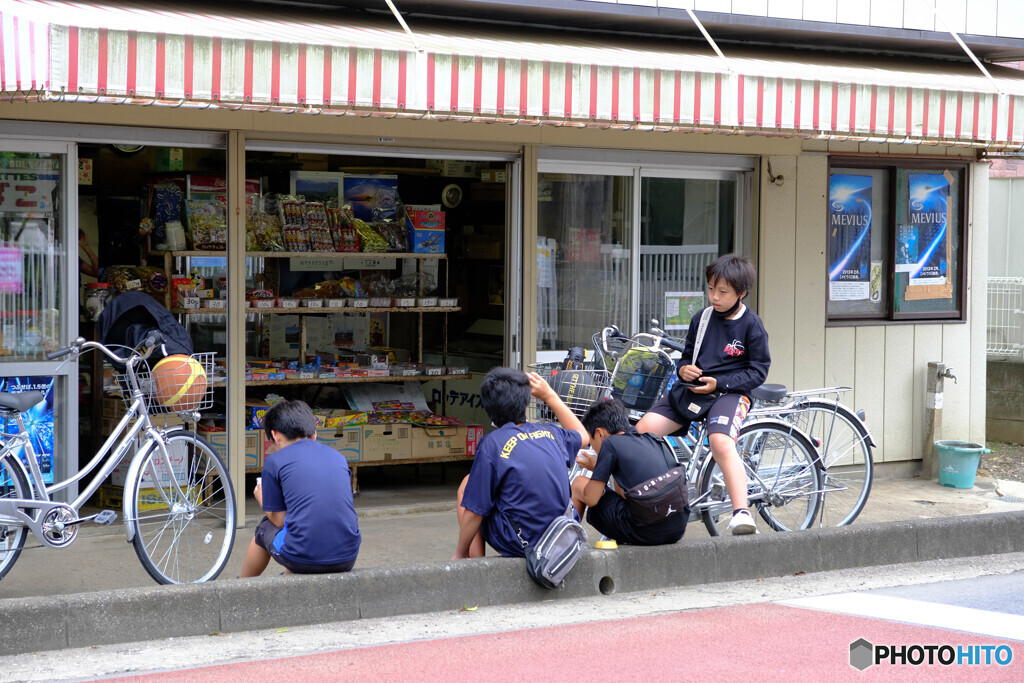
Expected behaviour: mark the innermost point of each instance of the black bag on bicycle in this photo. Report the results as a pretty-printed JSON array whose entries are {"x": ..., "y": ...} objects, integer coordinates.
[
  {"x": 130, "y": 317},
  {"x": 574, "y": 385}
]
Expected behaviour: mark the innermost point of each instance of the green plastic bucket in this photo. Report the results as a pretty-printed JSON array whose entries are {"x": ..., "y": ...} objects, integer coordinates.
[{"x": 958, "y": 462}]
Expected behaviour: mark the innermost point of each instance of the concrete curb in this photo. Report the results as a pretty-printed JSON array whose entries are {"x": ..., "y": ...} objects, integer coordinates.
[{"x": 136, "y": 614}]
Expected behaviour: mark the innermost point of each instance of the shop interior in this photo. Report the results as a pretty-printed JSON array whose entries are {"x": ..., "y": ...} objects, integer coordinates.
[{"x": 333, "y": 316}]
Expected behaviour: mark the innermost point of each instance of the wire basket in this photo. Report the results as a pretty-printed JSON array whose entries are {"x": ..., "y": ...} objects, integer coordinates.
[
  {"x": 579, "y": 389},
  {"x": 190, "y": 403},
  {"x": 640, "y": 376}
]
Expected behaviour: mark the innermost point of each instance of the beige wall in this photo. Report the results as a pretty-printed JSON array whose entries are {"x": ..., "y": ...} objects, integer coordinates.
[{"x": 885, "y": 364}]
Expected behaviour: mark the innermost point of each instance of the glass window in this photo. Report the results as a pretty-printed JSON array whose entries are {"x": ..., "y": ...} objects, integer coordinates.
[
  {"x": 685, "y": 224},
  {"x": 585, "y": 233},
  {"x": 31, "y": 257},
  {"x": 895, "y": 230}
]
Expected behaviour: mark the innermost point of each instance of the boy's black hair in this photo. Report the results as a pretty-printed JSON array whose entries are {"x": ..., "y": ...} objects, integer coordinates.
[
  {"x": 610, "y": 415},
  {"x": 293, "y": 419},
  {"x": 737, "y": 270},
  {"x": 504, "y": 394}
]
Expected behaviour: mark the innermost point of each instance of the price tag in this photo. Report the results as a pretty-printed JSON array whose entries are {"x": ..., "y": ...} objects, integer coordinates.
[{"x": 190, "y": 302}]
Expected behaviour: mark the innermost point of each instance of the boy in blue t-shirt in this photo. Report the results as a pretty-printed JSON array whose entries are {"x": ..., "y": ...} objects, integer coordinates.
[
  {"x": 733, "y": 360},
  {"x": 310, "y": 525},
  {"x": 519, "y": 480}
]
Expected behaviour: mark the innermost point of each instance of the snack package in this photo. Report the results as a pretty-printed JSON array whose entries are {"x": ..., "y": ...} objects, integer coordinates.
[
  {"x": 207, "y": 222},
  {"x": 343, "y": 234}
]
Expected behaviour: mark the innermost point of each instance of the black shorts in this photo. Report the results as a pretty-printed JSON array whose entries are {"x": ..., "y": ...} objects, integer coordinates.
[
  {"x": 724, "y": 417},
  {"x": 611, "y": 517},
  {"x": 266, "y": 531}
]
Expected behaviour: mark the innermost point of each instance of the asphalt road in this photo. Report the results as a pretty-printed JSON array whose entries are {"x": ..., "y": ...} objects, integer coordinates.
[{"x": 757, "y": 627}]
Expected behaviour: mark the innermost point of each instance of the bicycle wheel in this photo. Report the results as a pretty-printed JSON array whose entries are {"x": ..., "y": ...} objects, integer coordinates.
[
  {"x": 783, "y": 479},
  {"x": 183, "y": 540},
  {"x": 13, "y": 484},
  {"x": 845, "y": 448}
]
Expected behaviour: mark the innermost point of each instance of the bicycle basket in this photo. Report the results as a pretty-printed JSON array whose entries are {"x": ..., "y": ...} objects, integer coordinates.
[
  {"x": 616, "y": 346},
  {"x": 188, "y": 402},
  {"x": 579, "y": 389},
  {"x": 640, "y": 376}
]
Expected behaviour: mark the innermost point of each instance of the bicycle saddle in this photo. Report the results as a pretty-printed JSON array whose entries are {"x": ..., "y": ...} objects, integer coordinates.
[
  {"x": 770, "y": 392},
  {"x": 20, "y": 402}
]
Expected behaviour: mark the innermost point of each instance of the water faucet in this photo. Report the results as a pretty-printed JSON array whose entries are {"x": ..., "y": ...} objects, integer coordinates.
[{"x": 948, "y": 374}]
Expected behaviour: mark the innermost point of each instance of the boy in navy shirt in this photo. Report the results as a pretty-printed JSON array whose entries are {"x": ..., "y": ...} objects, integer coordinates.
[
  {"x": 519, "y": 480},
  {"x": 310, "y": 525},
  {"x": 733, "y": 360}
]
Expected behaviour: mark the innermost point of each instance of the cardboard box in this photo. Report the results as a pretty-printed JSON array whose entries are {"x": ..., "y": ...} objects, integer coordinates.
[
  {"x": 473, "y": 436},
  {"x": 426, "y": 231},
  {"x": 112, "y": 497},
  {"x": 493, "y": 175},
  {"x": 113, "y": 407},
  {"x": 346, "y": 441},
  {"x": 253, "y": 447},
  {"x": 179, "y": 468},
  {"x": 254, "y": 412},
  {"x": 385, "y": 442},
  {"x": 432, "y": 442}
]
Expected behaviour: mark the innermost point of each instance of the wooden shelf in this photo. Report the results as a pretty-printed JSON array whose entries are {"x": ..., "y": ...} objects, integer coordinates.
[
  {"x": 352, "y": 380},
  {"x": 303, "y": 310}
]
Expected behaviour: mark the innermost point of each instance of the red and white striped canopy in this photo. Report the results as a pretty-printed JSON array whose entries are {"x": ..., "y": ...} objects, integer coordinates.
[{"x": 135, "y": 53}]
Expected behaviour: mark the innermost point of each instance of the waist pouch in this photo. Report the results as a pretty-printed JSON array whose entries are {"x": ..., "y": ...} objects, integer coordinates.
[
  {"x": 656, "y": 499},
  {"x": 690, "y": 405}
]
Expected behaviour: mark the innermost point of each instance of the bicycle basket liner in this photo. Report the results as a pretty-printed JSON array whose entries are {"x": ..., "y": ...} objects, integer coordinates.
[
  {"x": 161, "y": 398},
  {"x": 640, "y": 376},
  {"x": 579, "y": 389}
]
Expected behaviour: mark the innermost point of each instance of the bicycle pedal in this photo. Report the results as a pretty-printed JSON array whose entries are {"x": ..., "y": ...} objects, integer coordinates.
[{"x": 105, "y": 518}]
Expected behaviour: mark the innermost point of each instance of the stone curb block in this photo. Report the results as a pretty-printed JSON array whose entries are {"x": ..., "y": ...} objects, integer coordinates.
[{"x": 230, "y": 605}]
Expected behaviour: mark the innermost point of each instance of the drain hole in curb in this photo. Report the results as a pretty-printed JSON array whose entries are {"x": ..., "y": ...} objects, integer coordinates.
[{"x": 607, "y": 585}]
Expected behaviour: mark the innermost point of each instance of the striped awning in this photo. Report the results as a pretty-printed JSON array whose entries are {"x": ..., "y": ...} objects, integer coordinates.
[{"x": 67, "y": 51}]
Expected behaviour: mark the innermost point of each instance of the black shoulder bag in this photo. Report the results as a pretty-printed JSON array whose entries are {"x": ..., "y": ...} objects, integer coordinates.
[{"x": 656, "y": 499}]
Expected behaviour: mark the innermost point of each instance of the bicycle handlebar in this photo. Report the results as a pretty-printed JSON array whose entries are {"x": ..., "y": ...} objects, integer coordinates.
[{"x": 151, "y": 342}]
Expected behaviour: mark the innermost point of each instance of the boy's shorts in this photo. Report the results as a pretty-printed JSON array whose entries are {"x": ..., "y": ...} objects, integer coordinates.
[
  {"x": 265, "y": 534},
  {"x": 724, "y": 417}
]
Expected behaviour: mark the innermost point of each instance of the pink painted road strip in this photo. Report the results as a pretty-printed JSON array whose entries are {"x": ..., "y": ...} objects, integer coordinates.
[{"x": 751, "y": 641}]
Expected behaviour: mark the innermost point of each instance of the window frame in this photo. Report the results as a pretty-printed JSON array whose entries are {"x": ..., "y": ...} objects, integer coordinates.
[{"x": 891, "y": 166}]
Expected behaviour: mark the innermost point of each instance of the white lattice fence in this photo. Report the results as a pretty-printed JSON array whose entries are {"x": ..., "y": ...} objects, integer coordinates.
[{"x": 1005, "y": 334}]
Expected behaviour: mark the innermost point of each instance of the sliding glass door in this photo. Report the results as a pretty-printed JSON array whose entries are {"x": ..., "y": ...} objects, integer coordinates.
[{"x": 625, "y": 240}]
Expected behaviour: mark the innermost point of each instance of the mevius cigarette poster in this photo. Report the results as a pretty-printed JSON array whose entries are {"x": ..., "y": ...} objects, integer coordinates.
[{"x": 849, "y": 237}]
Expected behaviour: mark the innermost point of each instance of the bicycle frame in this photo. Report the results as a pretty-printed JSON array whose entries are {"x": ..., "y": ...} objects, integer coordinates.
[{"x": 113, "y": 451}]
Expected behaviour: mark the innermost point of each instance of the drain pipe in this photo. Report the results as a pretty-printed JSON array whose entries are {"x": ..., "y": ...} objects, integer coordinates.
[{"x": 937, "y": 374}]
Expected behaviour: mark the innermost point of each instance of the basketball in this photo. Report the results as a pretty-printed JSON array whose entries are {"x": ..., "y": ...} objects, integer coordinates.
[{"x": 179, "y": 381}]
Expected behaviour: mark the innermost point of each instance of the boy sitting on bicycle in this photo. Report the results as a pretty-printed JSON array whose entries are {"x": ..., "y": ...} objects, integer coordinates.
[
  {"x": 631, "y": 458},
  {"x": 310, "y": 525},
  {"x": 733, "y": 360},
  {"x": 519, "y": 481}
]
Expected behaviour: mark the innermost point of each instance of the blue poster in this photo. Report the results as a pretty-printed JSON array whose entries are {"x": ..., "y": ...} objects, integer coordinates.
[
  {"x": 849, "y": 237},
  {"x": 38, "y": 419},
  {"x": 372, "y": 198},
  {"x": 925, "y": 257}
]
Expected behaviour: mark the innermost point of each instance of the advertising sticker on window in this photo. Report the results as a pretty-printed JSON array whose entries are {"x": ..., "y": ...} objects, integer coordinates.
[{"x": 849, "y": 237}]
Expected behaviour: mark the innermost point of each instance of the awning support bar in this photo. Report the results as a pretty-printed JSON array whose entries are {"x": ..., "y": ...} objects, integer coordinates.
[
  {"x": 956, "y": 37},
  {"x": 707, "y": 37}
]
